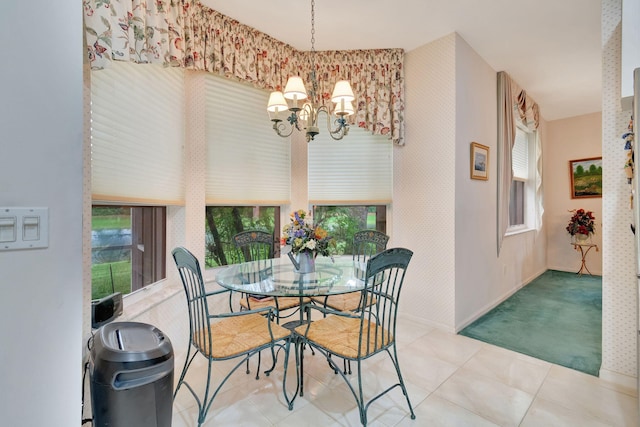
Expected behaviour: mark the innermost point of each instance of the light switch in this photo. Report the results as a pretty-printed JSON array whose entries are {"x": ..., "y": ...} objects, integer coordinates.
[
  {"x": 30, "y": 228},
  {"x": 8, "y": 227},
  {"x": 24, "y": 228}
]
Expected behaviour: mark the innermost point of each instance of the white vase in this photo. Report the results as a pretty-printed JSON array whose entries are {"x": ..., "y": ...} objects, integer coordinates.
[
  {"x": 581, "y": 238},
  {"x": 306, "y": 262}
]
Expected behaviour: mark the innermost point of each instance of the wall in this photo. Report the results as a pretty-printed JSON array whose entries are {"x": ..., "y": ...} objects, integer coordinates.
[
  {"x": 455, "y": 274},
  {"x": 41, "y": 151},
  {"x": 570, "y": 139},
  {"x": 482, "y": 278},
  {"x": 619, "y": 282},
  {"x": 424, "y": 183}
]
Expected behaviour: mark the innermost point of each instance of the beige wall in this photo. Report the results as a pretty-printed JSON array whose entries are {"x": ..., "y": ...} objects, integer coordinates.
[
  {"x": 570, "y": 139},
  {"x": 455, "y": 274},
  {"x": 41, "y": 149},
  {"x": 619, "y": 281},
  {"x": 424, "y": 183}
]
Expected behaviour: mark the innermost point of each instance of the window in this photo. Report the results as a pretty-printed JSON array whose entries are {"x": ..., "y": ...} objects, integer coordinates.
[
  {"x": 341, "y": 222},
  {"x": 355, "y": 170},
  {"x": 127, "y": 248},
  {"x": 137, "y": 139},
  {"x": 224, "y": 222},
  {"x": 137, "y": 134},
  {"x": 247, "y": 163},
  {"x": 521, "y": 200}
]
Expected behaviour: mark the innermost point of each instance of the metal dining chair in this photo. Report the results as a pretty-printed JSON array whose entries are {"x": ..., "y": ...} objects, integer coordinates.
[
  {"x": 366, "y": 243},
  {"x": 257, "y": 245},
  {"x": 222, "y": 336},
  {"x": 357, "y": 336}
]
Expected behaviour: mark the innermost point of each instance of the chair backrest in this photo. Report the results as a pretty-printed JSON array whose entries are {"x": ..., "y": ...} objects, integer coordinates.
[
  {"x": 254, "y": 245},
  {"x": 385, "y": 276},
  {"x": 367, "y": 243},
  {"x": 191, "y": 275}
]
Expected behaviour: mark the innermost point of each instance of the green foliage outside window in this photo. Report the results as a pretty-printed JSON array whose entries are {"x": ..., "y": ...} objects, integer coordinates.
[
  {"x": 224, "y": 222},
  {"x": 110, "y": 267},
  {"x": 342, "y": 222}
]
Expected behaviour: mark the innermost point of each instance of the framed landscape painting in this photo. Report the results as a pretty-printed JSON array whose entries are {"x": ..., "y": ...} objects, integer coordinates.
[
  {"x": 586, "y": 177},
  {"x": 479, "y": 161}
]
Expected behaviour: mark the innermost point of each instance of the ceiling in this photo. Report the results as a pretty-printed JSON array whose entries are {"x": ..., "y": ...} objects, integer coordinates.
[{"x": 551, "y": 48}]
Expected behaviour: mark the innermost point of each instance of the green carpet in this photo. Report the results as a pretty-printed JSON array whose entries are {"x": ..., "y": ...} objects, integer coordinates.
[{"x": 557, "y": 317}]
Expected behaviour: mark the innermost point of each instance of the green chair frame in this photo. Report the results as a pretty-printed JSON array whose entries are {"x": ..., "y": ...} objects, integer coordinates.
[
  {"x": 372, "y": 328},
  {"x": 203, "y": 339},
  {"x": 257, "y": 246},
  {"x": 366, "y": 243}
]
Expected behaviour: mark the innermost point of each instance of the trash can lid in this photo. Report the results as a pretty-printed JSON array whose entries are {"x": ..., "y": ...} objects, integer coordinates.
[{"x": 133, "y": 341}]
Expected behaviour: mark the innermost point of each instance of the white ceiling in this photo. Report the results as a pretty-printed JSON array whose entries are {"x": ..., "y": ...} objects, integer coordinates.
[{"x": 549, "y": 47}]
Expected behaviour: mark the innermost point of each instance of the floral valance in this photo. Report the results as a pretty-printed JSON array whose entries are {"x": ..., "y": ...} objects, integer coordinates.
[{"x": 188, "y": 34}]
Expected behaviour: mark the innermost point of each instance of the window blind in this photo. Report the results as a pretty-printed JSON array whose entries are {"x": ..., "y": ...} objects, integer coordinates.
[
  {"x": 137, "y": 134},
  {"x": 247, "y": 163},
  {"x": 356, "y": 169},
  {"x": 520, "y": 155}
]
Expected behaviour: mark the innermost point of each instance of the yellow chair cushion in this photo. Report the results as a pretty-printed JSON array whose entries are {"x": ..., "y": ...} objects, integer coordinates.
[
  {"x": 284, "y": 303},
  {"x": 341, "y": 336},
  {"x": 236, "y": 335},
  {"x": 343, "y": 302}
]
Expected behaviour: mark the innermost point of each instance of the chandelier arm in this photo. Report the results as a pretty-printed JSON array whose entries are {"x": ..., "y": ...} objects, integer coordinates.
[
  {"x": 281, "y": 128},
  {"x": 342, "y": 128}
]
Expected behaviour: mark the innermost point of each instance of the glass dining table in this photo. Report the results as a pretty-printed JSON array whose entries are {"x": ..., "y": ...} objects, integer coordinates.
[{"x": 278, "y": 277}]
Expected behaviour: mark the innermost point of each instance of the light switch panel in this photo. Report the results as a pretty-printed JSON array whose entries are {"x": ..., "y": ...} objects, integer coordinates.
[{"x": 23, "y": 228}]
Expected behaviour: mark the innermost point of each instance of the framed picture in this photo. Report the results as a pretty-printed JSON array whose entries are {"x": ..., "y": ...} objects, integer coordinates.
[
  {"x": 479, "y": 161},
  {"x": 586, "y": 177}
]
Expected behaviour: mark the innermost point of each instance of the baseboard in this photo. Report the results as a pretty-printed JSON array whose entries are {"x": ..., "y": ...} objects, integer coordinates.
[
  {"x": 429, "y": 323},
  {"x": 564, "y": 268},
  {"x": 486, "y": 308},
  {"x": 626, "y": 382}
]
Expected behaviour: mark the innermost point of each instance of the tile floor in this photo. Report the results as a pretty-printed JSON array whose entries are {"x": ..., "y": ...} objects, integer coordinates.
[{"x": 452, "y": 381}]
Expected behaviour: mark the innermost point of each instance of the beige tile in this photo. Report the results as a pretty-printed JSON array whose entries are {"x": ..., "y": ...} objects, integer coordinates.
[
  {"x": 549, "y": 414},
  {"x": 408, "y": 331},
  {"x": 509, "y": 368},
  {"x": 487, "y": 397},
  {"x": 451, "y": 381},
  {"x": 230, "y": 408},
  {"x": 437, "y": 412},
  {"x": 307, "y": 415},
  {"x": 451, "y": 348},
  {"x": 582, "y": 393},
  {"x": 424, "y": 371}
]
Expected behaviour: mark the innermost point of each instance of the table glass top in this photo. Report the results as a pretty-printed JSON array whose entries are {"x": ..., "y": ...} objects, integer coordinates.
[{"x": 277, "y": 277}]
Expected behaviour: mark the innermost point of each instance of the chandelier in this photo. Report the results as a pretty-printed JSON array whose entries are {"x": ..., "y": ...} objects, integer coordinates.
[{"x": 305, "y": 116}]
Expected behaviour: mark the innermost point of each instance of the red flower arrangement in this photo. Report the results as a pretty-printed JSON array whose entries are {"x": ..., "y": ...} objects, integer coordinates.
[{"x": 582, "y": 222}]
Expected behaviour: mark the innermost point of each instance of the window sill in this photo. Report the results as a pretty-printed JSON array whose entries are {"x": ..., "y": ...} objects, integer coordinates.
[
  {"x": 148, "y": 297},
  {"x": 516, "y": 231}
]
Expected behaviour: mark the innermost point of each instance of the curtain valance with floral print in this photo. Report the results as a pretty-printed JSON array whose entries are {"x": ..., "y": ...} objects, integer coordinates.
[{"x": 187, "y": 34}]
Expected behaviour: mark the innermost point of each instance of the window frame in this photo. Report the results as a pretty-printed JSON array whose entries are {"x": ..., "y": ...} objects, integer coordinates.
[
  {"x": 529, "y": 193},
  {"x": 148, "y": 245}
]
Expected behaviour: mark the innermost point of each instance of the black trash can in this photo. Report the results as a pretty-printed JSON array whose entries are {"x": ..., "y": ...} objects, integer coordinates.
[{"x": 131, "y": 376}]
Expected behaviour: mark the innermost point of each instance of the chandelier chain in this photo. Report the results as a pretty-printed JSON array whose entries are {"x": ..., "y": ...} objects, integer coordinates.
[
  {"x": 313, "y": 26},
  {"x": 312, "y": 57}
]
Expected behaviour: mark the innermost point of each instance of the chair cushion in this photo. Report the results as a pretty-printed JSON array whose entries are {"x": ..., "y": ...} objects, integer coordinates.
[
  {"x": 237, "y": 335},
  {"x": 341, "y": 335},
  {"x": 343, "y": 302},
  {"x": 283, "y": 302}
]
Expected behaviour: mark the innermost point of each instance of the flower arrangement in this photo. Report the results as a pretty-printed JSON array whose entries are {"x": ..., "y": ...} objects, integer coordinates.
[
  {"x": 303, "y": 236},
  {"x": 582, "y": 222}
]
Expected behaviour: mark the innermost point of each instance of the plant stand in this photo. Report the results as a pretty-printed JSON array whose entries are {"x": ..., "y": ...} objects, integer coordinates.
[{"x": 584, "y": 249}]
